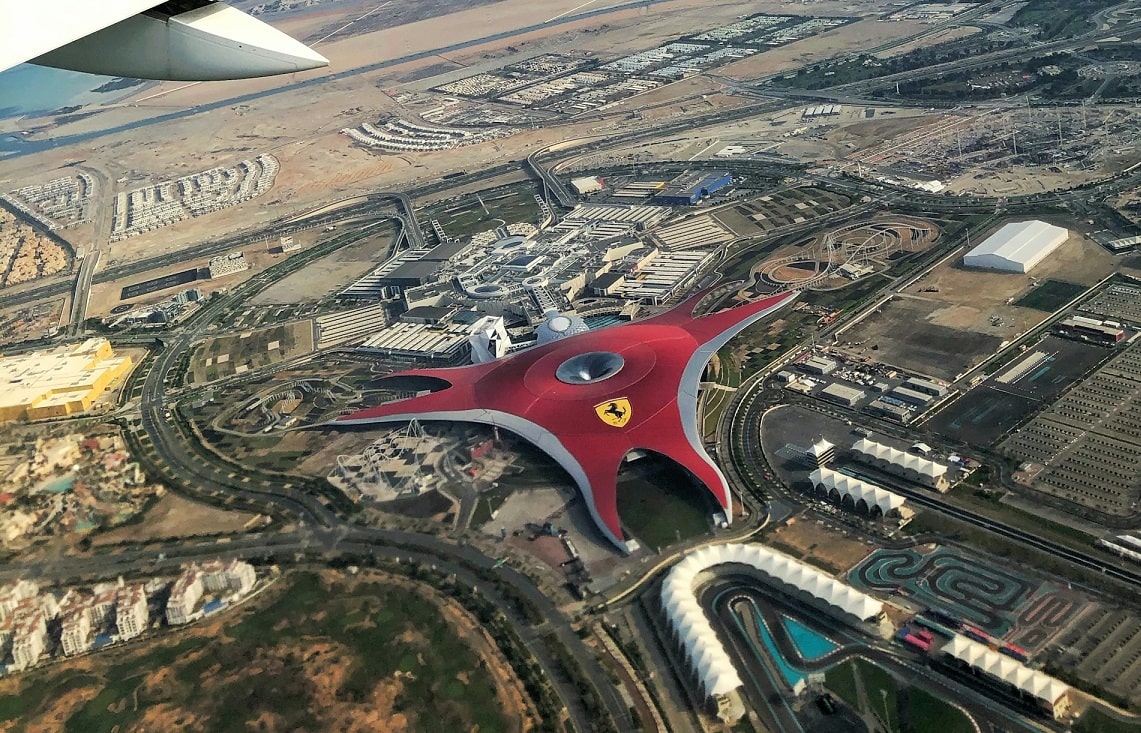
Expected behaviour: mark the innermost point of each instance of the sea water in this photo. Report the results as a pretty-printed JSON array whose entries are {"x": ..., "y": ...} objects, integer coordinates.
[{"x": 32, "y": 90}]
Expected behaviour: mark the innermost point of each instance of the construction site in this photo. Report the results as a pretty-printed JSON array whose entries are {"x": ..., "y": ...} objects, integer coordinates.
[{"x": 961, "y": 148}]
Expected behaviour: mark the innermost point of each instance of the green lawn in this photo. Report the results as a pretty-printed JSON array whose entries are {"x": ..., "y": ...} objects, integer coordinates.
[
  {"x": 881, "y": 691},
  {"x": 1050, "y": 295},
  {"x": 661, "y": 505},
  {"x": 924, "y": 711}
]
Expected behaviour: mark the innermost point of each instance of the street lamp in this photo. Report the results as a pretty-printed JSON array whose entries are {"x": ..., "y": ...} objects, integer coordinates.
[{"x": 887, "y": 715}]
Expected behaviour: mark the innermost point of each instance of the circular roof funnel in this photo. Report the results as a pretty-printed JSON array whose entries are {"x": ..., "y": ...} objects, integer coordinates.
[{"x": 594, "y": 366}]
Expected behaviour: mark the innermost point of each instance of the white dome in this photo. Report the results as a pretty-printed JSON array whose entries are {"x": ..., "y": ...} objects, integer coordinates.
[{"x": 559, "y": 326}]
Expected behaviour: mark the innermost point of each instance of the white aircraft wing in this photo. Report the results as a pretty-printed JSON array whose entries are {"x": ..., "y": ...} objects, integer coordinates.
[{"x": 186, "y": 40}]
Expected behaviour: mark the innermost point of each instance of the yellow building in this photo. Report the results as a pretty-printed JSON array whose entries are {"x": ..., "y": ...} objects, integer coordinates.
[{"x": 58, "y": 382}]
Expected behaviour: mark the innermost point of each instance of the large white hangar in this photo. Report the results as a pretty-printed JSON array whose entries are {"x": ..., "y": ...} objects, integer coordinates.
[{"x": 1017, "y": 247}]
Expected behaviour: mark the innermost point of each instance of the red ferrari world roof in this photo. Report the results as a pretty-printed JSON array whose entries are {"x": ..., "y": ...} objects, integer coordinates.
[{"x": 649, "y": 402}]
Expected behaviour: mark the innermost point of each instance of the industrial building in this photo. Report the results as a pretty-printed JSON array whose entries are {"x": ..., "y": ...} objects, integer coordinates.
[
  {"x": 586, "y": 184},
  {"x": 818, "y": 365},
  {"x": 692, "y": 186},
  {"x": 59, "y": 382},
  {"x": 842, "y": 395},
  {"x": 1090, "y": 329},
  {"x": 709, "y": 664},
  {"x": 1017, "y": 247},
  {"x": 900, "y": 463},
  {"x": 890, "y": 408}
]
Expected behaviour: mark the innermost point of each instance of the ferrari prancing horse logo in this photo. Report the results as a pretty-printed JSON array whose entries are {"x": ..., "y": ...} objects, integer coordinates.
[{"x": 614, "y": 412}]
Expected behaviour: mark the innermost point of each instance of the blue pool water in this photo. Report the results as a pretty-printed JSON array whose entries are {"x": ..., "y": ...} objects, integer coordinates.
[
  {"x": 58, "y": 485},
  {"x": 809, "y": 643},
  {"x": 790, "y": 673},
  {"x": 597, "y": 322}
]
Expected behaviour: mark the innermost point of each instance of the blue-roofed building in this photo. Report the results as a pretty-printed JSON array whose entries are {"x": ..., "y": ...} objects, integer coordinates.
[{"x": 692, "y": 186}]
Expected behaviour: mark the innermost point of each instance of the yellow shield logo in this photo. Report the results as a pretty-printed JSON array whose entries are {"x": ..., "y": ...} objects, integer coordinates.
[{"x": 614, "y": 412}]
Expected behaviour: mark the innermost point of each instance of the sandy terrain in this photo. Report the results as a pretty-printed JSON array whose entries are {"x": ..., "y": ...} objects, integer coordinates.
[
  {"x": 951, "y": 34},
  {"x": 174, "y": 516},
  {"x": 849, "y": 38},
  {"x": 820, "y": 544},
  {"x": 301, "y": 127}
]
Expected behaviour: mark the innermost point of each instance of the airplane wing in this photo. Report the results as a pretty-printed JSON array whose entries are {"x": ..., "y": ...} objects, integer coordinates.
[{"x": 183, "y": 40}]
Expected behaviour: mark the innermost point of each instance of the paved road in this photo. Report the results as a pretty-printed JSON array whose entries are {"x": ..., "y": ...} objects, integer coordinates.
[{"x": 324, "y": 531}]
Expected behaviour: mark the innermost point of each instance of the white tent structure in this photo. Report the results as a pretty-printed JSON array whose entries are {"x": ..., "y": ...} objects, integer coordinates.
[
  {"x": 827, "y": 481},
  {"x": 1050, "y": 693},
  {"x": 901, "y": 463},
  {"x": 1017, "y": 247},
  {"x": 693, "y": 632}
]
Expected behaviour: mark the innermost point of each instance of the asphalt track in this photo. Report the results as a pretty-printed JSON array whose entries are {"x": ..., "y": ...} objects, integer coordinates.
[
  {"x": 736, "y": 602},
  {"x": 982, "y": 594}
]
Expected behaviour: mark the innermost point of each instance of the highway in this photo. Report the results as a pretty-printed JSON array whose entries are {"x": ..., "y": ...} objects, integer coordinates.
[
  {"x": 321, "y": 529},
  {"x": 81, "y": 292}
]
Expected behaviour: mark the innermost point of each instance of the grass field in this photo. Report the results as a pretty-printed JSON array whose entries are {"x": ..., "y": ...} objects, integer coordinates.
[
  {"x": 716, "y": 400},
  {"x": 906, "y": 708},
  {"x": 1050, "y": 295},
  {"x": 485, "y": 211},
  {"x": 660, "y": 505},
  {"x": 876, "y": 682},
  {"x": 225, "y": 356},
  {"x": 320, "y": 656}
]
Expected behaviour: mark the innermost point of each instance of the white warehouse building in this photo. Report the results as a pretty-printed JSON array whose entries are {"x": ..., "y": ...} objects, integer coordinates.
[{"x": 1017, "y": 247}]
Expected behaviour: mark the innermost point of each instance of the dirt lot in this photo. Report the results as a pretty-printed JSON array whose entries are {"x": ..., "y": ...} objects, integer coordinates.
[
  {"x": 955, "y": 317},
  {"x": 821, "y": 545},
  {"x": 863, "y": 34},
  {"x": 328, "y": 273},
  {"x": 174, "y": 516}
]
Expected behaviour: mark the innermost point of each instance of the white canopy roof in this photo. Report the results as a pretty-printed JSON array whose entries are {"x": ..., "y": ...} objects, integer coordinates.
[
  {"x": 847, "y": 486},
  {"x": 899, "y": 458},
  {"x": 702, "y": 648},
  {"x": 1030, "y": 681}
]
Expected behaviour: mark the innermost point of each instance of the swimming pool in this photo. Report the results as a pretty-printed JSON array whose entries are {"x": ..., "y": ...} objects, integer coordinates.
[
  {"x": 810, "y": 644},
  {"x": 58, "y": 485},
  {"x": 596, "y": 322}
]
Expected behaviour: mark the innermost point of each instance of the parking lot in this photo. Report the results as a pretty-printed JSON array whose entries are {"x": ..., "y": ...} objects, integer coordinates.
[
  {"x": 988, "y": 412},
  {"x": 1103, "y": 647},
  {"x": 1089, "y": 442}
]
